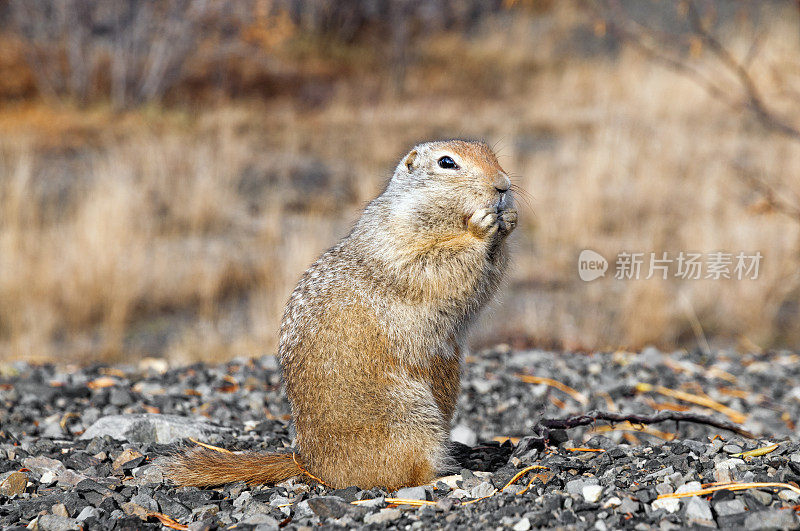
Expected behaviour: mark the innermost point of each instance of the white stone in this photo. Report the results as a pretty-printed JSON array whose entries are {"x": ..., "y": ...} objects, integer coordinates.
[
  {"x": 671, "y": 505},
  {"x": 523, "y": 525},
  {"x": 451, "y": 481},
  {"x": 612, "y": 502},
  {"x": 689, "y": 487},
  {"x": 788, "y": 495},
  {"x": 464, "y": 434},
  {"x": 592, "y": 493}
]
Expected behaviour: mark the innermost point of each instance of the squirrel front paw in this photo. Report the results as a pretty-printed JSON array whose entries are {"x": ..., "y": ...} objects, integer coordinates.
[
  {"x": 486, "y": 222},
  {"x": 508, "y": 221},
  {"x": 483, "y": 223}
]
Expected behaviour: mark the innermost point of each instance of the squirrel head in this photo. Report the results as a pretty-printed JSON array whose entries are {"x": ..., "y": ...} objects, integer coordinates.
[{"x": 442, "y": 183}]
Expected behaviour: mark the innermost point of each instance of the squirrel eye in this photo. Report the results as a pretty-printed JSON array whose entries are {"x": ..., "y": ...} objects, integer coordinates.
[{"x": 447, "y": 163}]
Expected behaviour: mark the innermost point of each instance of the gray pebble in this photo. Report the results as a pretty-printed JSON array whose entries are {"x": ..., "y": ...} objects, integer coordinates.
[
  {"x": 53, "y": 522},
  {"x": 383, "y": 516},
  {"x": 728, "y": 507},
  {"x": 698, "y": 512},
  {"x": 773, "y": 519},
  {"x": 732, "y": 449},
  {"x": 482, "y": 489},
  {"x": 412, "y": 493}
]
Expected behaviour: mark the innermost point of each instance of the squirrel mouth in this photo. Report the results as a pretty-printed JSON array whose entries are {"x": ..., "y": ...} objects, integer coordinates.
[{"x": 501, "y": 203}]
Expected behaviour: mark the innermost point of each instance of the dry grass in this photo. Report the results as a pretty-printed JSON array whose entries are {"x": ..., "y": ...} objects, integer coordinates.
[{"x": 162, "y": 233}]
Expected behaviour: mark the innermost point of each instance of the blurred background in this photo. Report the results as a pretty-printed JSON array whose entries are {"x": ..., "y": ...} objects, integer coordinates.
[{"x": 169, "y": 168}]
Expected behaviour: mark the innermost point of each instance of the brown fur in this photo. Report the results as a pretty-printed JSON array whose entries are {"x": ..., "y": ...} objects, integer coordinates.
[
  {"x": 201, "y": 466},
  {"x": 373, "y": 334}
]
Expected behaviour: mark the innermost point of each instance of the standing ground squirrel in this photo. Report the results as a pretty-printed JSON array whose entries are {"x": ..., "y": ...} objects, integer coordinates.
[{"x": 373, "y": 335}]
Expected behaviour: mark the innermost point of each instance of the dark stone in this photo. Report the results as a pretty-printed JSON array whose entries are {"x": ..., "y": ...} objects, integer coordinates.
[
  {"x": 646, "y": 495},
  {"x": 557, "y": 437},
  {"x": 108, "y": 505},
  {"x": 80, "y": 461},
  {"x": 329, "y": 506},
  {"x": 349, "y": 494},
  {"x": 171, "y": 507},
  {"x": 194, "y": 497},
  {"x": 722, "y": 495},
  {"x": 616, "y": 453},
  {"x": 679, "y": 449}
]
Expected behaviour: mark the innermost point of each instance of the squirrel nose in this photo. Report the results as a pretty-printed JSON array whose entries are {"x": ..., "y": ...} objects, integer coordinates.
[{"x": 501, "y": 183}]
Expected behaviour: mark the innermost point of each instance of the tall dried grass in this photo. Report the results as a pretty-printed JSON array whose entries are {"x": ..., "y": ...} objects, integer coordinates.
[{"x": 157, "y": 233}]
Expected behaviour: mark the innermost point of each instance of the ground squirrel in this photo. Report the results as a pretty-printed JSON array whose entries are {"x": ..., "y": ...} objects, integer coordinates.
[{"x": 373, "y": 335}]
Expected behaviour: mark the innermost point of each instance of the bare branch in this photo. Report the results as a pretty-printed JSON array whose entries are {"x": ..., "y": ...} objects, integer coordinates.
[{"x": 754, "y": 100}]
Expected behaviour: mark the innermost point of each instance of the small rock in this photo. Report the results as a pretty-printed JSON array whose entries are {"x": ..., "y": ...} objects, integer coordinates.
[
  {"x": 149, "y": 428},
  {"x": 789, "y": 496},
  {"x": 691, "y": 486},
  {"x": 382, "y": 516},
  {"x": 373, "y": 502},
  {"x": 452, "y": 481},
  {"x": 412, "y": 493},
  {"x": 88, "y": 512},
  {"x": 698, "y": 512},
  {"x": 59, "y": 509},
  {"x": 723, "y": 475},
  {"x": 125, "y": 457},
  {"x": 329, "y": 506},
  {"x": 732, "y": 449},
  {"x": 762, "y": 497},
  {"x": 592, "y": 493},
  {"x": 53, "y": 522},
  {"x": 728, "y": 507},
  {"x": 482, "y": 489},
  {"x": 145, "y": 501},
  {"x": 148, "y": 474},
  {"x": 134, "y": 509},
  {"x": 204, "y": 525},
  {"x": 464, "y": 434},
  {"x": 612, "y": 502},
  {"x": 44, "y": 464},
  {"x": 628, "y": 505},
  {"x": 50, "y": 468},
  {"x": 575, "y": 487},
  {"x": 119, "y": 397},
  {"x": 670, "y": 505},
  {"x": 261, "y": 519},
  {"x": 696, "y": 446},
  {"x": 774, "y": 519},
  {"x": 445, "y": 504},
  {"x": 523, "y": 525},
  {"x": 664, "y": 488},
  {"x": 13, "y": 483},
  {"x": 481, "y": 385},
  {"x": 513, "y": 490}
]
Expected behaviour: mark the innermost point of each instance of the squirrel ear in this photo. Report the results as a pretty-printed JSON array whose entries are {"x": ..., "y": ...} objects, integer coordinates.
[{"x": 410, "y": 159}]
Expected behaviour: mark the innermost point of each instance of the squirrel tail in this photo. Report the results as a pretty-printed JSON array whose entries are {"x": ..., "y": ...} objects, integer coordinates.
[{"x": 201, "y": 467}]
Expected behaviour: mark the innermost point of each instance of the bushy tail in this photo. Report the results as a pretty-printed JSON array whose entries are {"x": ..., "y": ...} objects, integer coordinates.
[{"x": 201, "y": 467}]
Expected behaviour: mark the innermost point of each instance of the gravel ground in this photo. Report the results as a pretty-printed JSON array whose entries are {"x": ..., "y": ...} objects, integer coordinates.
[{"x": 80, "y": 448}]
